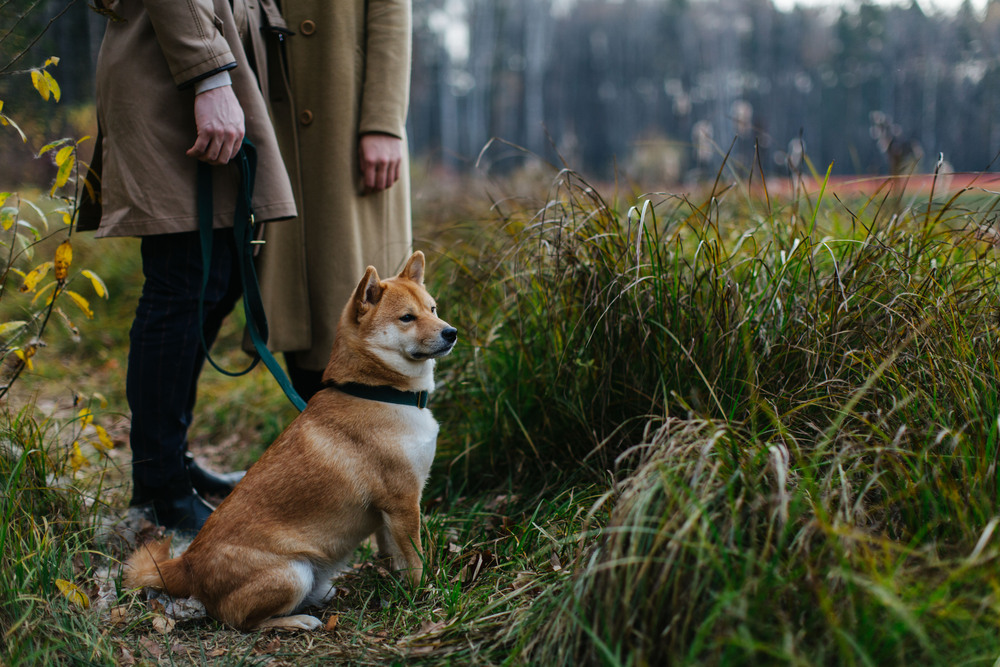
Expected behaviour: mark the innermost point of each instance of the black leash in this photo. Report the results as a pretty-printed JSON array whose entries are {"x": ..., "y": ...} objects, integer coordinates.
[{"x": 243, "y": 232}]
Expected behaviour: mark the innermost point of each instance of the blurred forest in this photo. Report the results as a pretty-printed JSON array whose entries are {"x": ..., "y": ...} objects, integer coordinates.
[{"x": 655, "y": 89}]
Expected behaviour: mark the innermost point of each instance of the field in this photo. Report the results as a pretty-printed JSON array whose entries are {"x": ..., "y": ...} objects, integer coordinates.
[{"x": 737, "y": 426}]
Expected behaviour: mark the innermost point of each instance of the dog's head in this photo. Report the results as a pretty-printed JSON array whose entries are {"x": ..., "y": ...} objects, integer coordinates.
[{"x": 397, "y": 318}]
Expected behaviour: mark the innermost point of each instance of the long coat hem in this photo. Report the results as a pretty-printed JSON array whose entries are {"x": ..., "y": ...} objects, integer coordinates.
[{"x": 273, "y": 213}]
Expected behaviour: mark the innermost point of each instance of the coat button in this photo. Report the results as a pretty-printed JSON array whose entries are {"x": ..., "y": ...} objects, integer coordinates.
[
  {"x": 306, "y": 116},
  {"x": 307, "y": 27}
]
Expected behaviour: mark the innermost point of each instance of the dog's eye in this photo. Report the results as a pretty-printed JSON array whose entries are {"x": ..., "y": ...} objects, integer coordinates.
[
  {"x": 407, "y": 318},
  {"x": 434, "y": 309}
]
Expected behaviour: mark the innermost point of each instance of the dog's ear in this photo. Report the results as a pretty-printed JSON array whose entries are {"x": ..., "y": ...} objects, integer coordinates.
[
  {"x": 368, "y": 293},
  {"x": 414, "y": 269}
]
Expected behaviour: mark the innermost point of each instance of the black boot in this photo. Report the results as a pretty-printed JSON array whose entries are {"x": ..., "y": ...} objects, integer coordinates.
[
  {"x": 185, "y": 514},
  {"x": 208, "y": 483}
]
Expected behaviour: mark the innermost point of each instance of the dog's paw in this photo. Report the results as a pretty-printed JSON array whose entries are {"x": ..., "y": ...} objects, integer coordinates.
[{"x": 296, "y": 622}]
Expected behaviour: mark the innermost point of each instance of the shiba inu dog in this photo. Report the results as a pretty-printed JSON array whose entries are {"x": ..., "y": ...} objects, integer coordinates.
[{"x": 352, "y": 464}]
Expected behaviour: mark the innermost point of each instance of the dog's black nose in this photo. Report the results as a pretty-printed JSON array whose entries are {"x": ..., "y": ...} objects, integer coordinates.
[{"x": 450, "y": 334}]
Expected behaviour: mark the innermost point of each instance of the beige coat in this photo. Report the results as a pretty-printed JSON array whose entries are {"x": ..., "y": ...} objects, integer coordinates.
[
  {"x": 148, "y": 63},
  {"x": 349, "y": 70}
]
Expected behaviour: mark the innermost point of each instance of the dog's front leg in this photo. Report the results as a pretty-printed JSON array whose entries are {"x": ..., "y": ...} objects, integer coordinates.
[{"x": 399, "y": 536}]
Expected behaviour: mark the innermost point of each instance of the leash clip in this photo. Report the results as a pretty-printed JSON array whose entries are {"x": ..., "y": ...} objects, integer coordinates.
[{"x": 253, "y": 222}]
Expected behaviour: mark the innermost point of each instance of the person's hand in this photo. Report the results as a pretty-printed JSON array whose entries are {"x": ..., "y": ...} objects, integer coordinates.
[
  {"x": 219, "y": 119},
  {"x": 381, "y": 156}
]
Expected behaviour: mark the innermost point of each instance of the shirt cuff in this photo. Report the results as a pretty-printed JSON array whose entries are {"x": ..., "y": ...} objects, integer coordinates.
[{"x": 217, "y": 80}]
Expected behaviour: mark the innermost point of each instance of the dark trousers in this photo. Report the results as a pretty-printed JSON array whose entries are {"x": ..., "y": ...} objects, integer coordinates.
[
  {"x": 166, "y": 353},
  {"x": 305, "y": 381}
]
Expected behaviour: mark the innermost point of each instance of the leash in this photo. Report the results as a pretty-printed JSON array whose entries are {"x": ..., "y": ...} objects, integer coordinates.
[
  {"x": 243, "y": 233},
  {"x": 381, "y": 393}
]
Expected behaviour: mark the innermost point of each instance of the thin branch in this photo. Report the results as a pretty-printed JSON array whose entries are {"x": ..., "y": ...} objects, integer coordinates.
[{"x": 3, "y": 70}]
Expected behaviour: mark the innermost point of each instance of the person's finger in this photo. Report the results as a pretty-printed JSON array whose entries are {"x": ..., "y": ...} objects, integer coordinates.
[
  {"x": 381, "y": 174},
  {"x": 369, "y": 176},
  {"x": 212, "y": 151},
  {"x": 198, "y": 149},
  {"x": 230, "y": 148}
]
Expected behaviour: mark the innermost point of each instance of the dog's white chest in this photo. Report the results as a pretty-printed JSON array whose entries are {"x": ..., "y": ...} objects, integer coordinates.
[{"x": 421, "y": 442}]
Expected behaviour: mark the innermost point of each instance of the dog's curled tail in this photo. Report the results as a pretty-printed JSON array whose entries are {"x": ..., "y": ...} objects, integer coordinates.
[{"x": 152, "y": 566}]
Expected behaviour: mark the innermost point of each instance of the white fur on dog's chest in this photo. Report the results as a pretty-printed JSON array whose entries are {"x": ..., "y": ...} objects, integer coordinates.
[{"x": 420, "y": 442}]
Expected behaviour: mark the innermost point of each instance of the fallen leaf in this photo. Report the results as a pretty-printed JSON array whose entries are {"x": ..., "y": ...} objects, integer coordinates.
[
  {"x": 125, "y": 659},
  {"x": 331, "y": 623},
  {"x": 163, "y": 625},
  {"x": 272, "y": 646},
  {"x": 430, "y": 627},
  {"x": 554, "y": 559},
  {"x": 216, "y": 653},
  {"x": 73, "y": 593},
  {"x": 152, "y": 647},
  {"x": 119, "y": 615}
]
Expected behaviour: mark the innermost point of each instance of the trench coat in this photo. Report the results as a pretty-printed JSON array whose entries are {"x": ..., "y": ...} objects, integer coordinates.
[
  {"x": 348, "y": 73},
  {"x": 152, "y": 54}
]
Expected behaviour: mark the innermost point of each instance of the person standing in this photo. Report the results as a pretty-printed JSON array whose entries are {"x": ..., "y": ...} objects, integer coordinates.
[
  {"x": 177, "y": 83},
  {"x": 342, "y": 133}
]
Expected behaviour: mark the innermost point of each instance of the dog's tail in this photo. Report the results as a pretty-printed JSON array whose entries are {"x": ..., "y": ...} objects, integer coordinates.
[{"x": 152, "y": 566}]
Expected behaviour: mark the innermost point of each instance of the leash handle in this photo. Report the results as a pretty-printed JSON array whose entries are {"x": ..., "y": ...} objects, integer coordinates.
[{"x": 243, "y": 232}]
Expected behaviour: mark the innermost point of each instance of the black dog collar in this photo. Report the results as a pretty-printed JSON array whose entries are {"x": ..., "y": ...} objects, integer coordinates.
[{"x": 381, "y": 393}]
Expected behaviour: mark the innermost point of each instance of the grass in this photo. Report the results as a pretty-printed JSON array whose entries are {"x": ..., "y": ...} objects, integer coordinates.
[{"x": 723, "y": 428}]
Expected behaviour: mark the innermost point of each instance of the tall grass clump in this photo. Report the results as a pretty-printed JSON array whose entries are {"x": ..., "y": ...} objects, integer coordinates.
[
  {"x": 798, "y": 399},
  {"x": 46, "y": 557},
  {"x": 581, "y": 328}
]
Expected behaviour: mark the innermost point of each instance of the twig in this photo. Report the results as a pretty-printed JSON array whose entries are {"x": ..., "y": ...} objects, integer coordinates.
[{"x": 3, "y": 70}]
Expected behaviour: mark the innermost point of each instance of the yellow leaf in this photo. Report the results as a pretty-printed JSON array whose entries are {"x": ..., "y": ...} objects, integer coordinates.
[
  {"x": 7, "y": 327},
  {"x": 25, "y": 356},
  {"x": 104, "y": 441},
  {"x": 43, "y": 291},
  {"x": 36, "y": 274},
  {"x": 73, "y": 593},
  {"x": 86, "y": 417},
  {"x": 8, "y": 217},
  {"x": 40, "y": 84},
  {"x": 76, "y": 458},
  {"x": 53, "y": 86},
  {"x": 7, "y": 120},
  {"x": 64, "y": 153},
  {"x": 81, "y": 303},
  {"x": 64, "y": 257},
  {"x": 54, "y": 60},
  {"x": 3, "y": 197},
  {"x": 52, "y": 144},
  {"x": 67, "y": 218},
  {"x": 62, "y": 176},
  {"x": 100, "y": 289}
]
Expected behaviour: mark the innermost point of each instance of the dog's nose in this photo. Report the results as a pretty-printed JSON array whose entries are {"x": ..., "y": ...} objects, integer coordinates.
[{"x": 450, "y": 334}]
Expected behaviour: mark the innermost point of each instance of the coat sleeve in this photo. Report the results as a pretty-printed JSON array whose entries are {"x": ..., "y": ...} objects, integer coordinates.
[
  {"x": 386, "y": 92},
  {"x": 190, "y": 36}
]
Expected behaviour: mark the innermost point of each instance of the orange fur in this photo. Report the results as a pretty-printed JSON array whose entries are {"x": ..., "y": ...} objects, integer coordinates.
[{"x": 345, "y": 468}]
